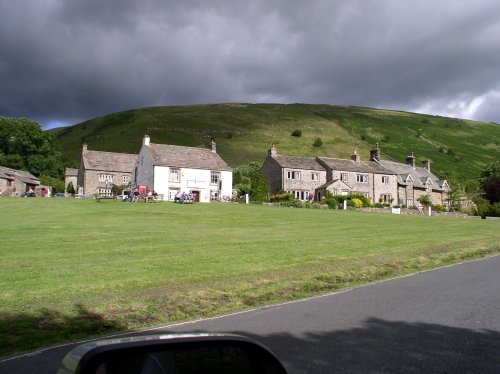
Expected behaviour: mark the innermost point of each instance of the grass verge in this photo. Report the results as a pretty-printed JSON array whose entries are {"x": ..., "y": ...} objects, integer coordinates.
[{"x": 74, "y": 268}]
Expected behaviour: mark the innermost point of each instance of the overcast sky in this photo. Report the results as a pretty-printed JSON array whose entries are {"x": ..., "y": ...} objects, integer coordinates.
[{"x": 65, "y": 61}]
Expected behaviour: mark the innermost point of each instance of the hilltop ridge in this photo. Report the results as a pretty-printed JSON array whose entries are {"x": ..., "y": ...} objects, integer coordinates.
[{"x": 244, "y": 132}]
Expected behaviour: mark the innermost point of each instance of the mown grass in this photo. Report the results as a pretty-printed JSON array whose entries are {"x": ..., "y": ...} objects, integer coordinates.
[{"x": 73, "y": 268}]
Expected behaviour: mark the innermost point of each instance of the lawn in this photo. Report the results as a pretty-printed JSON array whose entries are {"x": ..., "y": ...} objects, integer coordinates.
[{"x": 72, "y": 268}]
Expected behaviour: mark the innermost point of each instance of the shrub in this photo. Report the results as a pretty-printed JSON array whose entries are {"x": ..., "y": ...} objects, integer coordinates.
[
  {"x": 259, "y": 191},
  {"x": 297, "y": 133},
  {"x": 482, "y": 206},
  {"x": 425, "y": 200},
  {"x": 332, "y": 202},
  {"x": 70, "y": 189},
  {"x": 495, "y": 209},
  {"x": 278, "y": 198},
  {"x": 318, "y": 142},
  {"x": 357, "y": 203},
  {"x": 439, "y": 208}
]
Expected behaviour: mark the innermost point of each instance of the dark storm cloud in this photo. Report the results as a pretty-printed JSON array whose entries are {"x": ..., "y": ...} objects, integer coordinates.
[{"x": 71, "y": 60}]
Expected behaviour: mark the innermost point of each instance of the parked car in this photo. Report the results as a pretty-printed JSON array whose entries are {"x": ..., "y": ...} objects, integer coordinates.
[
  {"x": 79, "y": 196},
  {"x": 60, "y": 194},
  {"x": 28, "y": 194}
]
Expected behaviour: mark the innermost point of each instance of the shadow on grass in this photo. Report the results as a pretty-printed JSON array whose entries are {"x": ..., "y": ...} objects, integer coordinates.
[
  {"x": 26, "y": 331},
  {"x": 380, "y": 346}
]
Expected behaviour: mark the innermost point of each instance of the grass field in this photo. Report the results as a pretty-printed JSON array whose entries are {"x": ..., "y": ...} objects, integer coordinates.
[
  {"x": 244, "y": 132},
  {"x": 73, "y": 268}
]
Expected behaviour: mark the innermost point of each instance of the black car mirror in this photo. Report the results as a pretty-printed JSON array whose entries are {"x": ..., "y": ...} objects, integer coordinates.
[{"x": 172, "y": 353}]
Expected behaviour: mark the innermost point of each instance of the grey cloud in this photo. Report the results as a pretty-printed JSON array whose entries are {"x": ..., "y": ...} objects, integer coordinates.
[{"x": 73, "y": 60}]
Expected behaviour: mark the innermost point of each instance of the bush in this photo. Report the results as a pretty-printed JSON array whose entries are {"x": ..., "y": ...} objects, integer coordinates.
[
  {"x": 259, "y": 190},
  {"x": 278, "y": 198},
  {"x": 297, "y": 133},
  {"x": 332, "y": 202},
  {"x": 70, "y": 189},
  {"x": 425, "y": 200},
  {"x": 439, "y": 208},
  {"x": 318, "y": 142},
  {"x": 482, "y": 206},
  {"x": 495, "y": 209},
  {"x": 357, "y": 203}
]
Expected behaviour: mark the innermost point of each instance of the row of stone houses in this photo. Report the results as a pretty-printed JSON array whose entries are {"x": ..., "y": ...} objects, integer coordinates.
[
  {"x": 387, "y": 182},
  {"x": 168, "y": 170},
  {"x": 14, "y": 182}
]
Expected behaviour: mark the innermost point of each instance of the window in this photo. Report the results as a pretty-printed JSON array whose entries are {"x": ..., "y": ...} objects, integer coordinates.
[
  {"x": 125, "y": 179},
  {"x": 385, "y": 179},
  {"x": 300, "y": 195},
  {"x": 174, "y": 175},
  {"x": 294, "y": 175},
  {"x": 385, "y": 199},
  {"x": 104, "y": 191},
  {"x": 315, "y": 177},
  {"x": 343, "y": 177},
  {"x": 105, "y": 178},
  {"x": 214, "y": 177},
  {"x": 362, "y": 178}
]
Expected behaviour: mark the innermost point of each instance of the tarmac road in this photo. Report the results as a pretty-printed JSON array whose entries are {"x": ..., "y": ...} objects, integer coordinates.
[{"x": 445, "y": 320}]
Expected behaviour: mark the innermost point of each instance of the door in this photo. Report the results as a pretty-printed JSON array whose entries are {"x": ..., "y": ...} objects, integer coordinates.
[{"x": 196, "y": 196}]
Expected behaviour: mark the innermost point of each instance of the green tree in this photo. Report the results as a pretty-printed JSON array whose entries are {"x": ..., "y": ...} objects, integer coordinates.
[
  {"x": 318, "y": 142},
  {"x": 24, "y": 146},
  {"x": 425, "y": 200},
  {"x": 242, "y": 176},
  {"x": 490, "y": 181},
  {"x": 259, "y": 190},
  {"x": 70, "y": 189},
  {"x": 56, "y": 183}
]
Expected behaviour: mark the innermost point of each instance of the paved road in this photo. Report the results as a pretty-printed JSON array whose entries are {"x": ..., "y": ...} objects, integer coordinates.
[{"x": 446, "y": 320}]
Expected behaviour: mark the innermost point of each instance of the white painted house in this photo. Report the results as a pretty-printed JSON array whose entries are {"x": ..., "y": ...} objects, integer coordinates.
[{"x": 170, "y": 169}]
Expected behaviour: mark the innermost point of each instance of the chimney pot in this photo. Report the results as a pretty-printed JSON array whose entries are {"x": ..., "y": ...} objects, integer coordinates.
[
  {"x": 355, "y": 156},
  {"x": 426, "y": 164},
  {"x": 410, "y": 160},
  {"x": 146, "y": 140},
  {"x": 375, "y": 153},
  {"x": 273, "y": 151}
]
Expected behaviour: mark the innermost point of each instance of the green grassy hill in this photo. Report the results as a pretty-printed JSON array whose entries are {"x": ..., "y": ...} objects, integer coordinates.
[{"x": 244, "y": 132}]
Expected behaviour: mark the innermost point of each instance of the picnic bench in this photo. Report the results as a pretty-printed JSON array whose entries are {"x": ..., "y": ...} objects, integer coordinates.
[{"x": 105, "y": 197}]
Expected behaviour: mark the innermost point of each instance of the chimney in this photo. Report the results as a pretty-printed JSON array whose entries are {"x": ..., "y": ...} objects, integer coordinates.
[
  {"x": 273, "y": 151},
  {"x": 355, "y": 156},
  {"x": 84, "y": 148},
  {"x": 426, "y": 164},
  {"x": 410, "y": 160},
  {"x": 213, "y": 146},
  {"x": 375, "y": 153},
  {"x": 146, "y": 140}
]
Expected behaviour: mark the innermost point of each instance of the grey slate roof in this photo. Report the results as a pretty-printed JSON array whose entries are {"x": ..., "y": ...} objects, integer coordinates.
[
  {"x": 109, "y": 161},
  {"x": 23, "y": 176},
  {"x": 298, "y": 162},
  {"x": 186, "y": 157},
  {"x": 419, "y": 174},
  {"x": 70, "y": 172},
  {"x": 354, "y": 166}
]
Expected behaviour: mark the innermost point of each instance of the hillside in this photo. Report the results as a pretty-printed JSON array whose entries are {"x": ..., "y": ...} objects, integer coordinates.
[{"x": 244, "y": 132}]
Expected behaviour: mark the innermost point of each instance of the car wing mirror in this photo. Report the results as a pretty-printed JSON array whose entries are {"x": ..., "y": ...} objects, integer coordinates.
[{"x": 172, "y": 353}]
